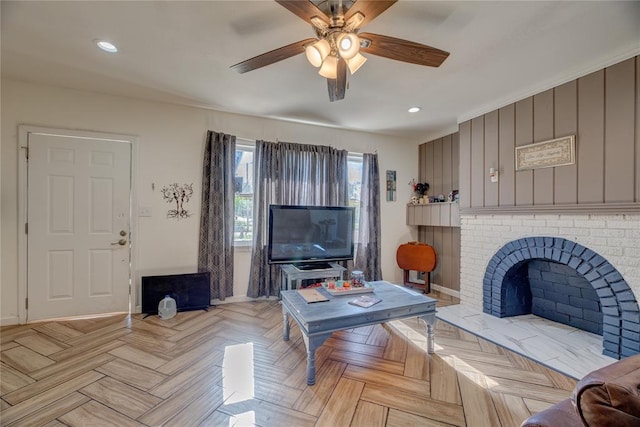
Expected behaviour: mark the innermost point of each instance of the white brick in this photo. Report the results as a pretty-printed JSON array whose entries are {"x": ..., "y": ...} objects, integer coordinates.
[
  {"x": 560, "y": 223},
  {"x": 549, "y": 231},
  {"x": 624, "y": 224},
  {"x": 611, "y": 251},
  {"x": 615, "y": 237},
  {"x": 590, "y": 224},
  {"x": 607, "y": 232},
  {"x": 534, "y": 222}
]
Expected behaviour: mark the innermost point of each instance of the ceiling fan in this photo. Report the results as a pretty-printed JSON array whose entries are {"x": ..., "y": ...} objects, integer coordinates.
[{"x": 339, "y": 45}]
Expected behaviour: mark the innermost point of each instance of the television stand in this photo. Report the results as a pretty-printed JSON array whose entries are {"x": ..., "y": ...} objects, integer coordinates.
[
  {"x": 289, "y": 274},
  {"x": 313, "y": 266}
]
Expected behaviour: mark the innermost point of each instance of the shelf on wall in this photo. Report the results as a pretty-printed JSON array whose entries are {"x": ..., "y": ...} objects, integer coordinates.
[{"x": 445, "y": 214}]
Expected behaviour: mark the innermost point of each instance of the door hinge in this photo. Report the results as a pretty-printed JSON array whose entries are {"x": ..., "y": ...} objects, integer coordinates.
[
  {"x": 26, "y": 228},
  {"x": 26, "y": 152},
  {"x": 26, "y": 303}
]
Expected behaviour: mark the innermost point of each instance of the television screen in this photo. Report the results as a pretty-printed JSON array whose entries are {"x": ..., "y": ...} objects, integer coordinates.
[{"x": 310, "y": 234}]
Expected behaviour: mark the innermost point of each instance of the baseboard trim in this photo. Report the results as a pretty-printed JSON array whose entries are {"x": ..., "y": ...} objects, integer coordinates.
[
  {"x": 9, "y": 321},
  {"x": 444, "y": 290},
  {"x": 228, "y": 300},
  {"x": 243, "y": 298}
]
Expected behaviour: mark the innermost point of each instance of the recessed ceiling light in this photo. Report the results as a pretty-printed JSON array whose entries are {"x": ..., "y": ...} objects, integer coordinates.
[
  {"x": 414, "y": 109},
  {"x": 106, "y": 46}
]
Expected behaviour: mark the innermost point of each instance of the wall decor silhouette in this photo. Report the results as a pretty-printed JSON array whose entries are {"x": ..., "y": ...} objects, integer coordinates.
[{"x": 178, "y": 194}]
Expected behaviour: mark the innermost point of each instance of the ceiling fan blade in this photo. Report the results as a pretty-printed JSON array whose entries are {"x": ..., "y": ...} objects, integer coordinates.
[
  {"x": 402, "y": 50},
  {"x": 304, "y": 9},
  {"x": 370, "y": 10},
  {"x": 272, "y": 57},
  {"x": 337, "y": 87}
]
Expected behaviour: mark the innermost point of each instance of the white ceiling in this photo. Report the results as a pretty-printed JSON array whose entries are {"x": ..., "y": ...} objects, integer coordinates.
[{"x": 180, "y": 51}]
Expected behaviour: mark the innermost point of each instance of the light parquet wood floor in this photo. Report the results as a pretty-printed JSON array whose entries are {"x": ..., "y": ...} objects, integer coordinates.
[{"x": 230, "y": 367}]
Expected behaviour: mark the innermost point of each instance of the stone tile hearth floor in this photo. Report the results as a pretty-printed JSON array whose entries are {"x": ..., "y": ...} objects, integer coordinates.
[{"x": 566, "y": 349}]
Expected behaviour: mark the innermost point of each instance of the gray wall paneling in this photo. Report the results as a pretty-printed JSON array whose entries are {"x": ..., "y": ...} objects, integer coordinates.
[
  {"x": 436, "y": 177},
  {"x": 446, "y": 242},
  {"x": 455, "y": 161},
  {"x": 566, "y": 123},
  {"x": 477, "y": 162},
  {"x": 590, "y": 141},
  {"x": 543, "y": 131},
  {"x": 637, "y": 166},
  {"x": 524, "y": 136},
  {"x": 455, "y": 277},
  {"x": 619, "y": 156},
  {"x": 491, "y": 158},
  {"x": 465, "y": 165},
  {"x": 439, "y": 166},
  {"x": 506, "y": 156},
  {"x": 447, "y": 181},
  {"x": 601, "y": 109}
]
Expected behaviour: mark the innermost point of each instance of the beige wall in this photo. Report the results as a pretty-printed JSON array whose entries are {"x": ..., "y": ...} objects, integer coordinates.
[
  {"x": 602, "y": 109},
  {"x": 170, "y": 141}
]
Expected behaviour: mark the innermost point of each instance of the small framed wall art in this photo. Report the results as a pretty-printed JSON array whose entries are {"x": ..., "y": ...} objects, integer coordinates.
[{"x": 391, "y": 186}]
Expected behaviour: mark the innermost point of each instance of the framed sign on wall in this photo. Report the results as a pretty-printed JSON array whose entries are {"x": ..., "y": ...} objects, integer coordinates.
[{"x": 546, "y": 154}]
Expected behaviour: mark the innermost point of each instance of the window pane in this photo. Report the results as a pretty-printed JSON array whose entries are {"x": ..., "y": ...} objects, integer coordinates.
[
  {"x": 243, "y": 224},
  {"x": 244, "y": 170},
  {"x": 354, "y": 165}
]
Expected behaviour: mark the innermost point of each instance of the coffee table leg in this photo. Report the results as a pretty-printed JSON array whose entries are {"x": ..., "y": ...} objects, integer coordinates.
[
  {"x": 285, "y": 326},
  {"x": 312, "y": 344},
  {"x": 430, "y": 321}
]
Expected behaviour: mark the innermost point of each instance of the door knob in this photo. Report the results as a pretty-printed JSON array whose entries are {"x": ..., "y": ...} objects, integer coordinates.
[{"x": 120, "y": 242}]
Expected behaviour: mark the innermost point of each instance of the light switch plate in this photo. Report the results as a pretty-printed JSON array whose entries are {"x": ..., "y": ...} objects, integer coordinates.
[{"x": 144, "y": 211}]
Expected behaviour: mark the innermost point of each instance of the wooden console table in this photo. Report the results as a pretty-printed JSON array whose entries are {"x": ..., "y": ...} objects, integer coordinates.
[{"x": 317, "y": 321}]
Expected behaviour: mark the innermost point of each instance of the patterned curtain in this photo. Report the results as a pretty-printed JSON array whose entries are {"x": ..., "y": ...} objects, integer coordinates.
[
  {"x": 368, "y": 244},
  {"x": 215, "y": 250},
  {"x": 290, "y": 174}
]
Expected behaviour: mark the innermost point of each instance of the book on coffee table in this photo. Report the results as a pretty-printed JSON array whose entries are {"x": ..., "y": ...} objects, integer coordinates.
[
  {"x": 312, "y": 295},
  {"x": 365, "y": 301}
]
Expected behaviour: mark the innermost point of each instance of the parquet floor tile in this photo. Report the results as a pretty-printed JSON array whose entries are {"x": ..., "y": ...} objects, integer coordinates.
[{"x": 230, "y": 367}]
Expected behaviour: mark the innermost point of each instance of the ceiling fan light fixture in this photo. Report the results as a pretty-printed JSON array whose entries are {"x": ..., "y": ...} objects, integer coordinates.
[
  {"x": 348, "y": 45},
  {"x": 329, "y": 67},
  {"x": 317, "y": 52},
  {"x": 356, "y": 62},
  {"x": 355, "y": 21}
]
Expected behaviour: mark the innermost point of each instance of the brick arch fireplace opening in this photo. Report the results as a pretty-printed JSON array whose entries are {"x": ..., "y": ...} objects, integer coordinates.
[{"x": 565, "y": 282}]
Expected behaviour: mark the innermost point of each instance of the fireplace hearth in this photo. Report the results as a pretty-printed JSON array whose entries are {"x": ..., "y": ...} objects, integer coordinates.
[{"x": 564, "y": 281}]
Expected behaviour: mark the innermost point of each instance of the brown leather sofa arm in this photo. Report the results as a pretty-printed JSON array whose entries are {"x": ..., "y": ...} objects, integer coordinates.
[
  {"x": 562, "y": 414},
  {"x": 610, "y": 395}
]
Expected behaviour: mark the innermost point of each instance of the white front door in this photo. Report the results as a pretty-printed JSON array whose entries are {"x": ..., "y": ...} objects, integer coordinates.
[{"x": 78, "y": 216}]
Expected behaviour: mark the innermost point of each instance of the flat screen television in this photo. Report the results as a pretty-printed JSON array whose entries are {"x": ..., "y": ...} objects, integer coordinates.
[{"x": 310, "y": 236}]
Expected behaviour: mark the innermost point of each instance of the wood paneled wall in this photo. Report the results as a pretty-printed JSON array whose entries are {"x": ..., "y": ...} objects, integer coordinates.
[
  {"x": 446, "y": 242},
  {"x": 439, "y": 166},
  {"x": 602, "y": 109}
]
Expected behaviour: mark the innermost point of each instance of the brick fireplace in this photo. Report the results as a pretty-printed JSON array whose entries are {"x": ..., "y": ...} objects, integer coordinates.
[{"x": 581, "y": 270}]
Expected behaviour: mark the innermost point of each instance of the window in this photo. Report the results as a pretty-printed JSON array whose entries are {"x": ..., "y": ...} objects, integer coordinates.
[
  {"x": 354, "y": 165},
  {"x": 243, "y": 200}
]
